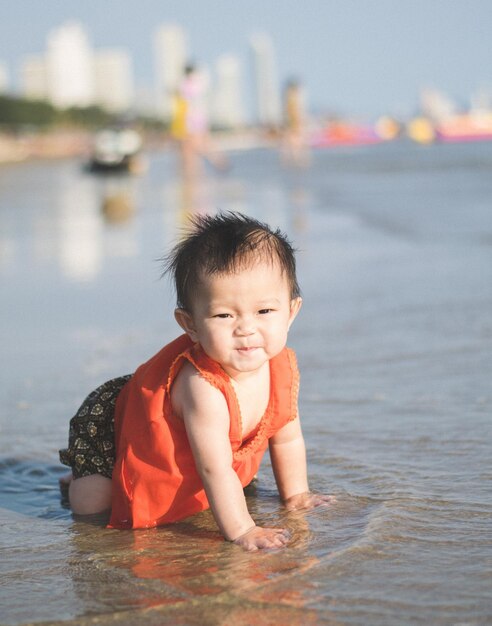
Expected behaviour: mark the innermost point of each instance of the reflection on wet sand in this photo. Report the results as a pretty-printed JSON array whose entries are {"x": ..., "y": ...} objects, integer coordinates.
[
  {"x": 84, "y": 206},
  {"x": 179, "y": 574},
  {"x": 82, "y": 221},
  {"x": 188, "y": 571},
  {"x": 117, "y": 207}
]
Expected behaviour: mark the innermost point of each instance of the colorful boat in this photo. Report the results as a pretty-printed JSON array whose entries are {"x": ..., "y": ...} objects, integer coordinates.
[
  {"x": 464, "y": 128},
  {"x": 458, "y": 128},
  {"x": 344, "y": 134}
]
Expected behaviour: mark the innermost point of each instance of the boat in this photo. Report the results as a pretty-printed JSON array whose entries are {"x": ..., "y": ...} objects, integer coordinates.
[
  {"x": 466, "y": 128},
  {"x": 341, "y": 133},
  {"x": 115, "y": 150}
]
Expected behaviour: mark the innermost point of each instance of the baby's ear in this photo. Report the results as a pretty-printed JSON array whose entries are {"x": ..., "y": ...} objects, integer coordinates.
[
  {"x": 185, "y": 320},
  {"x": 295, "y": 305}
]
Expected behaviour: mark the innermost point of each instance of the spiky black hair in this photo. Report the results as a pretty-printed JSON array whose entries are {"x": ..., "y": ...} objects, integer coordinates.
[{"x": 225, "y": 242}]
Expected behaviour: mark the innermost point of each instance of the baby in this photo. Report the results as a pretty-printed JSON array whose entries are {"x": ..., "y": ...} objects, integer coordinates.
[{"x": 192, "y": 424}]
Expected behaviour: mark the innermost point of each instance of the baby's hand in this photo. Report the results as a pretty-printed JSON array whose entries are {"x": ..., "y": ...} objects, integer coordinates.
[
  {"x": 308, "y": 500},
  {"x": 258, "y": 538}
]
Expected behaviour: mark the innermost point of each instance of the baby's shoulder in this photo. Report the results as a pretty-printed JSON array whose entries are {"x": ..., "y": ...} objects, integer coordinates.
[
  {"x": 191, "y": 389},
  {"x": 189, "y": 379}
]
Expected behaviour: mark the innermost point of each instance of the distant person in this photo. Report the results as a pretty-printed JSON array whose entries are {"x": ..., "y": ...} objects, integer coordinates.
[
  {"x": 177, "y": 128},
  {"x": 294, "y": 148},
  {"x": 191, "y": 425},
  {"x": 190, "y": 124}
]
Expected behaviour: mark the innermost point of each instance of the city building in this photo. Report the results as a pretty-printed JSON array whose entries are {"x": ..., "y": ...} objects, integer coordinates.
[
  {"x": 228, "y": 102},
  {"x": 70, "y": 64},
  {"x": 4, "y": 78},
  {"x": 34, "y": 78},
  {"x": 170, "y": 58},
  {"x": 436, "y": 105},
  {"x": 113, "y": 80},
  {"x": 268, "y": 107}
]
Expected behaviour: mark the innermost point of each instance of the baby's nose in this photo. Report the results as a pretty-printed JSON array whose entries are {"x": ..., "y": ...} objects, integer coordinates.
[{"x": 245, "y": 327}]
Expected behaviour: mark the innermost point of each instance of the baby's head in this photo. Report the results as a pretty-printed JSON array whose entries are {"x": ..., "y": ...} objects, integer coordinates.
[
  {"x": 237, "y": 290},
  {"x": 227, "y": 243}
]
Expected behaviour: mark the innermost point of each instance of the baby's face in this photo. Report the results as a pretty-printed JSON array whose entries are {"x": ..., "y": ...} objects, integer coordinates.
[{"x": 241, "y": 320}]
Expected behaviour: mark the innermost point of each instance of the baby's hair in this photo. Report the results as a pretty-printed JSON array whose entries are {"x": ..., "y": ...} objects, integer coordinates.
[{"x": 226, "y": 242}]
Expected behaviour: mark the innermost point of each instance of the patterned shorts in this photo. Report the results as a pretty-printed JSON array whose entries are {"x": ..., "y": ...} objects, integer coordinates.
[{"x": 91, "y": 437}]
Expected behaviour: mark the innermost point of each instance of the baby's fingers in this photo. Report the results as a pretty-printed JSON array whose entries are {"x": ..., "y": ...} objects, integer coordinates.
[
  {"x": 273, "y": 538},
  {"x": 308, "y": 500},
  {"x": 281, "y": 536},
  {"x": 263, "y": 538},
  {"x": 320, "y": 500}
]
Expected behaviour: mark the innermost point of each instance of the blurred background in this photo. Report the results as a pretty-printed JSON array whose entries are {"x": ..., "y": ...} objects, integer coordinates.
[{"x": 367, "y": 73}]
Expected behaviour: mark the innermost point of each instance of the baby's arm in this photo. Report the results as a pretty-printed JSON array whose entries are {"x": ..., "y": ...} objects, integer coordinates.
[
  {"x": 288, "y": 455},
  {"x": 205, "y": 413}
]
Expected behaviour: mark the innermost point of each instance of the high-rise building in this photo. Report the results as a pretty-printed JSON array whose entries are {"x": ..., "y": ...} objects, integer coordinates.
[
  {"x": 34, "y": 78},
  {"x": 436, "y": 104},
  {"x": 265, "y": 74},
  {"x": 113, "y": 78},
  {"x": 69, "y": 61},
  {"x": 4, "y": 78},
  {"x": 145, "y": 100},
  {"x": 170, "y": 55},
  {"x": 228, "y": 104}
]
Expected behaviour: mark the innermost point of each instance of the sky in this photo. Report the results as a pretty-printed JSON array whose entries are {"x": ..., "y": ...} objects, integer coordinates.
[{"x": 359, "y": 58}]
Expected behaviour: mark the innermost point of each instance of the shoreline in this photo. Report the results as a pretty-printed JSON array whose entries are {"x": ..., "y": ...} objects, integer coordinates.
[
  {"x": 32, "y": 146},
  {"x": 63, "y": 144}
]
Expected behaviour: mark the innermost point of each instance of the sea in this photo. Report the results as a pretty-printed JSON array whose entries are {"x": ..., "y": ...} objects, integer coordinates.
[{"x": 394, "y": 343}]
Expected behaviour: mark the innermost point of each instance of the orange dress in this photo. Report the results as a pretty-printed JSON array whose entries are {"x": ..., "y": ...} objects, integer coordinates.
[{"x": 155, "y": 480}]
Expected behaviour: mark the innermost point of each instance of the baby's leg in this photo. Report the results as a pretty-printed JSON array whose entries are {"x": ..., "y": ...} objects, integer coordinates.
[
  {"x": 90, "y": 494},
  {"x": 65, "y": 480},
  {"x": 90, "y": 451}
]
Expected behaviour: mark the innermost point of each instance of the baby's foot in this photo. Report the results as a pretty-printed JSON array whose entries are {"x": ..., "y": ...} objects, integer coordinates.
[
  {"x": 64, "y": 483},
  {"x": 65, "y": 480}
]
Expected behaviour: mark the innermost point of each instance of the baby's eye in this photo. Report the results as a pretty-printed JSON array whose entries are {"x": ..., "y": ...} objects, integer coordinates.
[
  {"x": 223, "y": 315},
  {"x": 264, "y": 311}
]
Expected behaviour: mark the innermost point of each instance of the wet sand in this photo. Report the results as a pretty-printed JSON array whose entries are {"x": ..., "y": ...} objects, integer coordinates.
[{"x": 394, "y": 344}]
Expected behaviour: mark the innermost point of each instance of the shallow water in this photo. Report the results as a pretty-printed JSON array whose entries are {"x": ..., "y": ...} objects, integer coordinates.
[{"x": 394, "y": 343}]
